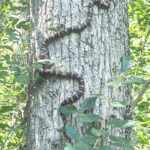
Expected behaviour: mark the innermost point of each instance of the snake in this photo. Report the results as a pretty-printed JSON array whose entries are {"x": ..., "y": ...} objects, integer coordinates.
[{"x": 69, "y": 74}]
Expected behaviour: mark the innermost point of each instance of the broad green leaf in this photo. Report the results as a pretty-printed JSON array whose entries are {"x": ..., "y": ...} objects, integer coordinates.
[
  {"x": 120, "y": 140},
  {"x": 17, "y": 69},
  {"x": 88, "y": 139},
  {"x": 6, "y": 47},
  {"x": 28, "y": 38},
  {"x": 101, "y": 96},
  {"x": 126, "y": 147},
  {"x": 72, "y": 132},
  {"x": 97, "y": 132},
  {"x": 3, "y": 68},
  {"x": 144, "y": 103},
  {"x": 82, "y": 146},
  {"x": 68, "y": 146},
  {"x": 126, "y": 64},
  {"x": 21, "y": 24},
  {"x": 112, "y": 84},
  {"x": 136, "y": 81},
  {"x": 143, "y": 138},
  {"x": 88, "y": 103},
  {"x": 26, "y": 27},
  {"x": 3, "y": 126},
  {"x": 105, "y": 147},
  {"x": 3, "y": 74},
  {"x": 89, "y": 117},
  {"x": 38, "y": 66},
  {"x": 68, "y": 109},
  {"x": 117, "y": 104},
  {"x": 15, "y": 21},
  {"x": 5, "y": 109},
  {"x": 118, "y": 123},
  {"x": 22, "y": 78}
]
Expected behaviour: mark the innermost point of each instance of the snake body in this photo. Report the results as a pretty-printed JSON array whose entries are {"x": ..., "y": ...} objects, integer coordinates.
[{"x": 70, "y": 75}]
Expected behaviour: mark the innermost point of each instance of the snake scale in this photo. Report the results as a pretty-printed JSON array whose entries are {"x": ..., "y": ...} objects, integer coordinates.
[{"x": 70, "y": 75}]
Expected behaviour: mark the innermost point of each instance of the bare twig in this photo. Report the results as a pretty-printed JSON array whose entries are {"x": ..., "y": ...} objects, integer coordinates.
[{"x": 139, "y": 97}]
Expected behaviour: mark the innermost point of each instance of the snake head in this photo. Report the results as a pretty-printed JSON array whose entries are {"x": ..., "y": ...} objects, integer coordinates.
[{"x": 103, "y": 4}]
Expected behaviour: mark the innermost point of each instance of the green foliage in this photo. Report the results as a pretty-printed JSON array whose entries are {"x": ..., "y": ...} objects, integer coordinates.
[
  {"x": 72, "y": 132},
  {"x": 89, "y": 117},
  {"x": 105, "y": 147},
  {"x": 69, "y": 109},
  {"x": 118, "y": 123},
  {"x": 14, "y": 75},
  {"x": 94, "y": 136},
  {"x": 139, "y": 29},
  {"x": 126, "y": 64},
  {"x": 88, "y": 103},
  {"x": 120, "y": 105}
]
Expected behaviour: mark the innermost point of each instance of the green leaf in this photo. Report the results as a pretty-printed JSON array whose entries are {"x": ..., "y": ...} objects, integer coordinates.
[
  {"x": 82, "y": 146},
  {"x": 28, "y": 38},
  {"x": 114, "y": 70},
  {"x": 136, "y": 80},
  {"x": 38, "y": 66},
  {"x": 21, "y": 24},
  {"x": 22, "y": 78},
  {"x": 88, "y": 103},
  {"x": 126, "y": 64},
  {"x": 15, "y": 21},
  {"x": 6, "y": 47},
  {"x": 68, "y": 109},
  {"x": 143, "y": 138},
  {"x": 68, "y": 146},
  {"x": 3, "y": 74},
  {"x": 121, "y": 140},
  {"x": 88, "y": 139},
  {"x": 105, "y": 147},
  {"x": 3, "y": 126},
  {"x": 101, "y": 96},
  {"x": 46, "y": 62},
  {"x": 89, "y": 117},
  {"x": 72, "y": 132},
  {"x": 118, "y": 123},
  {"x": 144, "y": 103},
  {"x": 97, "y": 132},
  {"x": 20, "y": 131},
  {"x": 117, "y": 104},
  {"x": 3, "y": 68},
  {"x": 5, "y": 109},
  {"x": 126, "y": 147},
  {"x": 112, "y": 84}
]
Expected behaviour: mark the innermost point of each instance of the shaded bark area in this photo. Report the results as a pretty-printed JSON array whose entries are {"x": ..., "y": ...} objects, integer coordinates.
[{"x": 92, "y": 53}]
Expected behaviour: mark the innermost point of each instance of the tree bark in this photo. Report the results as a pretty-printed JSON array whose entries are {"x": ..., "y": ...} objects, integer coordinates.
[{"x": 93, "y": 53}]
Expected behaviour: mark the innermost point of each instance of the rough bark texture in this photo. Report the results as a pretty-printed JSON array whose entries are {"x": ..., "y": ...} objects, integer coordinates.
[{"x": 93, "y": 53}]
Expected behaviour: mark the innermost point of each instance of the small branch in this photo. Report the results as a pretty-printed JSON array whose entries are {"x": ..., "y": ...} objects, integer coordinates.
[{"x": 139, "y": 97}]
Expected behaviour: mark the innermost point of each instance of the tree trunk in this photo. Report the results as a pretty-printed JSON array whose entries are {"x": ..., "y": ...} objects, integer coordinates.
[{"x": 94, "y": 53}]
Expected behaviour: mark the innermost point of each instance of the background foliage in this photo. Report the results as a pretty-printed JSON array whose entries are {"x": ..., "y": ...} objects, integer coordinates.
[
  {"x": 13, "y": 71},
  {"x": 139, "y": 21},
  {"x": 14, "y": 76}
]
